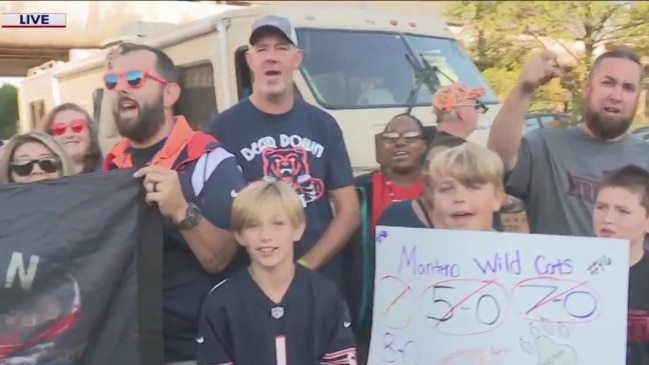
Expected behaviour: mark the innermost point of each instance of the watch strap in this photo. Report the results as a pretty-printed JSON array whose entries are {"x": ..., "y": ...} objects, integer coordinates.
[{"x": 191, "y": 219}]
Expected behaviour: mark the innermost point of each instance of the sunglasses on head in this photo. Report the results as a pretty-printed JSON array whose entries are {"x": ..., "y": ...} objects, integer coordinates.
[
  {"x": 25, "y": 167},
  {"x": 133, "y": 78},
  {"x": 392, "y": 137},
  {"x": 58, "y": 128}
]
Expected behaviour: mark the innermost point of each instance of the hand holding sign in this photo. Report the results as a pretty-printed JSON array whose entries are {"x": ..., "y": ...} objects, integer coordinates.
[{"x": 163, "y": 187}]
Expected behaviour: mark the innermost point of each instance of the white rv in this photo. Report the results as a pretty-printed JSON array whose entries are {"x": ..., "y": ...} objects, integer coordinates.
[{"x": 356, "y": 68}]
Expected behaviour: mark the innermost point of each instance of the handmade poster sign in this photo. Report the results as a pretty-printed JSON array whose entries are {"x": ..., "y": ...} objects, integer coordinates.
[{"x": 467, "y": 298}]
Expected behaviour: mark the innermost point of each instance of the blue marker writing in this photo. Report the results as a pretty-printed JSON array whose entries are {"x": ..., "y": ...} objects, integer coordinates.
[
  {"x": 501, "y": 262},
  {"x": 408, "y": 260},
  {"x": 545, "y": 266}
]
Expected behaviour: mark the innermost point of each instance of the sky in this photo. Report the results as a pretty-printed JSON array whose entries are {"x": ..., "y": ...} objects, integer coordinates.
[{"x": 15, "y": 81}]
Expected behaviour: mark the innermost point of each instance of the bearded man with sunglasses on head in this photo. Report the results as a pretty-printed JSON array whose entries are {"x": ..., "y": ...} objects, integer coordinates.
[{"x": 187, "y": 174}]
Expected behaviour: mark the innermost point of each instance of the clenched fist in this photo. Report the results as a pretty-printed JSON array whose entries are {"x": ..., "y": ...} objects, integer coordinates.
[{"x": 539, "y": 70}]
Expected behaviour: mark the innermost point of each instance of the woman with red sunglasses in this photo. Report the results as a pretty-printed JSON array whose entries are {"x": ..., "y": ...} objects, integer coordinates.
[
  {"x": 32, "y": 157},
  {"x": 73, "y": 127}
]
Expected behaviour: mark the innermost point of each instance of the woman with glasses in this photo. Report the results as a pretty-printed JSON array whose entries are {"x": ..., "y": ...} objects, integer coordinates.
[
  {"x": 73, "y": 127},
  {"x": 34, "y": 157},
  {"x": 401, "y": 150},
  {"x": 401, "y": 147}
]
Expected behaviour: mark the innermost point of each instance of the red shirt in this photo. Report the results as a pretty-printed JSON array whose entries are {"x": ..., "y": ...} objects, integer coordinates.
[{"x": 385, "y": 192}]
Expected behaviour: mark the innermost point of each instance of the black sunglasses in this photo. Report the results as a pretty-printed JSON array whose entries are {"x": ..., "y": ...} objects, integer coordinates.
[
  {"x": 481, "y": 108},
  {"x": 25, "y": 167}
]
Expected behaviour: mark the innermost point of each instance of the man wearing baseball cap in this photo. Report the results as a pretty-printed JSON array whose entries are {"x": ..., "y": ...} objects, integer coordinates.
[
  {"x": 273, "y": 24},
  {"x": 276, "y": 136},
  {"x": 457, "y": 109}
]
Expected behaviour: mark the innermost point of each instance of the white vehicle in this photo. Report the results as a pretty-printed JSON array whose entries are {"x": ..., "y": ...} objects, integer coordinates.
[{"x": 356, "y": 67}]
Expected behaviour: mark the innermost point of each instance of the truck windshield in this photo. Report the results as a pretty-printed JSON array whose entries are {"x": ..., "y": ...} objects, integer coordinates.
[{"x": 361, "y": 69}]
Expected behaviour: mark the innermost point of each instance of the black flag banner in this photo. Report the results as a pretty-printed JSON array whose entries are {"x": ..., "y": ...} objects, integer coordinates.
[{"x": 80, "y": 273}]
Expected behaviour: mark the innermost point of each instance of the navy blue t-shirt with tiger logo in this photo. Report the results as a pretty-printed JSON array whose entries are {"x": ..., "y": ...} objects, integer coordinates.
[{"x": 303, "y": 147}]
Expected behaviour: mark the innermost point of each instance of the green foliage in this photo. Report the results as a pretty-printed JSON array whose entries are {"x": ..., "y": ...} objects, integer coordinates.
[
  {"x": 8, "y": 110},
  {"x": 509, "y": 31}
]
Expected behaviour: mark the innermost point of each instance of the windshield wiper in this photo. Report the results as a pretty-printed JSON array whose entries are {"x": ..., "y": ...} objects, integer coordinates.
[
  {"x": 425, "y": 74},
  {"x": 434, "y": 69}
]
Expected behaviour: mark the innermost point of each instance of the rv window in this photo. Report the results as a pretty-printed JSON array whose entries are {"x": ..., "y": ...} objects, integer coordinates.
[
  {"x": 97, "y": 97},
  {"x": 363, "y": 69},
  {"x": 198, "y": 98},
  {"x": 37, "y": 112},
  {"x": 245, "y": 75}
]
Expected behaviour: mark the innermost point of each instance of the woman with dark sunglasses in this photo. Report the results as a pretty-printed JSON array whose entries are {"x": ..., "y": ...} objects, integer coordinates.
[
  {"x": 34, "y": 157},
  {"x": 75, "y": 129}
]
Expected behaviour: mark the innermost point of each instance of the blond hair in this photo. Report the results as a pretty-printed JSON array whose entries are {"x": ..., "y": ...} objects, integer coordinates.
[
  {"x": 469, "y": 164},
  {"x": 261, "y": 195},
  {"x": 67, "y": 167},
  {"x": 93, "y": 156}
]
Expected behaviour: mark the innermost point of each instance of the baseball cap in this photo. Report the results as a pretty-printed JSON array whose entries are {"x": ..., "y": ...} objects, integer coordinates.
[
  {"x": 451, "y": 96},
  {"x": 275, "y": 23}
]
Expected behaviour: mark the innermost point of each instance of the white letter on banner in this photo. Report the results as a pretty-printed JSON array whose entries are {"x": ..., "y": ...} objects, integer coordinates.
[{"x": 25, "y": 275}]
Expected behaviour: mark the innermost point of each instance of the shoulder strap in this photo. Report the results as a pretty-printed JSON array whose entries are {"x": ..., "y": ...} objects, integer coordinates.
[
  {"x": 205, "y": 166},
  {"x": 425, "y": 211}
]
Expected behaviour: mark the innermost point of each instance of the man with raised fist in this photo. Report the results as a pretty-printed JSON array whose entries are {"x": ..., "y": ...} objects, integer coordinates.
[{"x": 556, "y": 171}]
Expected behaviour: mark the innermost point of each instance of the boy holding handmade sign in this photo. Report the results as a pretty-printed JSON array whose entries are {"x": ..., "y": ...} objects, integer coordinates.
[
  {"x": 622, "y": 211},
  {"x": 463, "y": 188},
  {"x": 466, "y": 187},
  {"x": 472, "y": 171},
  {"x": 274, "y": 311}
]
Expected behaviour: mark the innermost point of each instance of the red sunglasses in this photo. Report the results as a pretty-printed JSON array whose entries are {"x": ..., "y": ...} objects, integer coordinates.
[
  {"x": 133, "y": 78},
  {"x": 59, "y": 128}
]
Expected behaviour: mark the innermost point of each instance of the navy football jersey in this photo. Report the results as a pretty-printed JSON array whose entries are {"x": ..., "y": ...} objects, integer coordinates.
[{"x": 240, "y": 325}]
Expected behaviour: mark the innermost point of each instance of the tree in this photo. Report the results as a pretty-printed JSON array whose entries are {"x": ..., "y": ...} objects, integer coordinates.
[
  {"x": 8, "y": 110},
  {"x": 510, "y": 30},
  {"x": 499, "y": 51}
]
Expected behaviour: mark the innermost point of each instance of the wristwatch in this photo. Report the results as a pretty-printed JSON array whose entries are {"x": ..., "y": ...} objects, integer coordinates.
[{"x": 192, "y": 217}]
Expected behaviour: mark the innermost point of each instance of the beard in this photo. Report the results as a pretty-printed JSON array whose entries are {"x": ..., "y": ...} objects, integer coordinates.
[
  {"x": 606, "y": 127},
  {"x": 144, "y": 125}
]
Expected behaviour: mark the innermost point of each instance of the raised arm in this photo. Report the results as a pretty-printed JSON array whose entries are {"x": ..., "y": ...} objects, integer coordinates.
[{"x": 507, "y": 130}]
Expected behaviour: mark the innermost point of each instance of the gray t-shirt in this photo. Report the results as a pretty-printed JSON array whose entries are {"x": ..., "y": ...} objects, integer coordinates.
[{"x": 557, "y": 174}]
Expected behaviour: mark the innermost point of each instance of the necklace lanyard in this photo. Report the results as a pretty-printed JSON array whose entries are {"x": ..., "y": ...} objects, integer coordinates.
[
  {"x": 422, "y": 206},
  {"x": 160, "y": 148}
]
